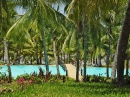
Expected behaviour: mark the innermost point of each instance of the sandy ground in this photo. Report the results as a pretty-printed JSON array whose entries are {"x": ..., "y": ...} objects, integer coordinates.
[{"x": 72, "y": 71}]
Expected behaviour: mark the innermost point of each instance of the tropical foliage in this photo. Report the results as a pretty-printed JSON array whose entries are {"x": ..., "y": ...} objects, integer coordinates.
[{"x": 88, "y": 30}]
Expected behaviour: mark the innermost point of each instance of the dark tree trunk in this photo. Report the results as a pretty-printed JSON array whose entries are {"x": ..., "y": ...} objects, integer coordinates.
[
  {"x": 91, "y": 60},
  {"x": 99, "y": 61},
  {"x": 107, "y": 68},
  {"x": 122, "y": 46},
  {"x": 58, "y": 58},
  {"x": 96, "y": 61},
  {"x": 77, "y": 59},
  {"x": 64, "y": 58},
  {"x": 61, "y": 56},
  {"x": 40, "y": 57},
  {"x": 127, "y": 67},
  {"x": 84, "y": 46}
]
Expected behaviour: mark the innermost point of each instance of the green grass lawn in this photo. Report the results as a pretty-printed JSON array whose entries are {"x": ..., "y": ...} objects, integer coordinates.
[{"x": 67, "y": 89}]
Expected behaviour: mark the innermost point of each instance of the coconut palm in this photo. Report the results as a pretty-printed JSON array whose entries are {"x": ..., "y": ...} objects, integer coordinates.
[
  {"x": 121, "y": 6},
  {"x": 37, "y": 22},
  {"x": 78, "y": 13},
  {"x": 5, "y": 14},
  {"x": 122, "y": 46}
]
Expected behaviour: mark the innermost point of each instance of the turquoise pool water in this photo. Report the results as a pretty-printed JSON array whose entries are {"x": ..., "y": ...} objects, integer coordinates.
[
  {"x": 99, "y": 71},
  {"x": 23, "y": 69}
]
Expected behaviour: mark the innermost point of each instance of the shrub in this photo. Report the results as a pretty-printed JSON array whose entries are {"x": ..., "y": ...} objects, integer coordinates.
[
  {"x": 87, "y": 78},
  {"x": 96, "y": 78},
  {"x": 41, "y": 73},
  {"x": 3, "y": 77}
]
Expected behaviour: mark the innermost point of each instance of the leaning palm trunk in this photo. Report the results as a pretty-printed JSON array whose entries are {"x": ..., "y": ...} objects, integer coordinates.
[
  {"x": 45, "y": 52},
  {"x": 122, "y": 46},
  {"x": 56, "y": 62},
  {"x": 7, "y": 61}
]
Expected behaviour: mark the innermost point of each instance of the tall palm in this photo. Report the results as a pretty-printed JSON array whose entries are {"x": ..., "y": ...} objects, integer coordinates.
[
  {"x": 4, "y": 6},
  {"x": 120, "y": 10},
  {"x": 40, "y": 20},
  {"x": 78, "y": 9},
  {"x": 122, "y": 46}
]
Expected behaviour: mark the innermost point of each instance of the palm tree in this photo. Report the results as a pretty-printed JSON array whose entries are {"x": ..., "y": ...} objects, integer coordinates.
[
  {"x": 40, "y": 20},
  {"x": 122, "y": 46},
  {"x": 3, "y": 29},
  {"x": 7, "y": 61},
  {"x": 120, "y": 14}
]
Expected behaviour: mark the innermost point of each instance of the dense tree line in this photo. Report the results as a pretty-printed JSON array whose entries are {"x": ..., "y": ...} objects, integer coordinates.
[{"x": 88, "y": 31}]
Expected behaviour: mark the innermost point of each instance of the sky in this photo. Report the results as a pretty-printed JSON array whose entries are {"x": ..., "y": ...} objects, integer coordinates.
[{"x": 22, "y": 11}]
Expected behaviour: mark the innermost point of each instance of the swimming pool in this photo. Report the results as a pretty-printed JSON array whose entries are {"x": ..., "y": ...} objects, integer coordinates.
[
  {"x": 99, "y": 71},
  {"x": 23, "y": 69},
  {"x": 29, "y": 69}
]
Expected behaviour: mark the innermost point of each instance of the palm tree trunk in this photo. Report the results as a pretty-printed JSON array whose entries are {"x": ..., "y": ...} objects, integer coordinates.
[
  {"x": 108, "y": 57},
  {"x": 37, "y": 52},
  {"x": 40, "y": 57},
  {"x": 64, "y": 57},
  {"x": 91, "y": 59},
  {"x": 7, "y": 61},
  {"x": 114, "y": 68},
  {"x": 99, "y": 60},
  {"x": 122, "y": 46},
  {"x": 96, "y": 61},
  {"x": 107, "y": 68},
  {"x": 8, "y": 51},
  {"x": 127, "y": 66},
  {"x": 1, "y": 34},
  {"x": 56, "y": 61},
  {"x": 85, "y": 47},
  {"x": 1, "y": 17},
  {"x": 45, "y": 52},
  {"x": 77, "y": 59},
  {"x": 31, "y": 60}
]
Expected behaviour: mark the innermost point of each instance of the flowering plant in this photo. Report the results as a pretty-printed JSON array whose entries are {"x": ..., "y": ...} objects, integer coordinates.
[{"x": 24, "y": 82}]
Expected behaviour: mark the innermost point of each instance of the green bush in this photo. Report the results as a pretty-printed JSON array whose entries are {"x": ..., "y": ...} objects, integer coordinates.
[
  {"x": 96, "y": 78},
  {"x": 3, "y": 77}
]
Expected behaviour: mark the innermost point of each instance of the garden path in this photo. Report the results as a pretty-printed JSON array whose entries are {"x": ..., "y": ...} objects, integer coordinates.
[{"x": 72, "y": 71}]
